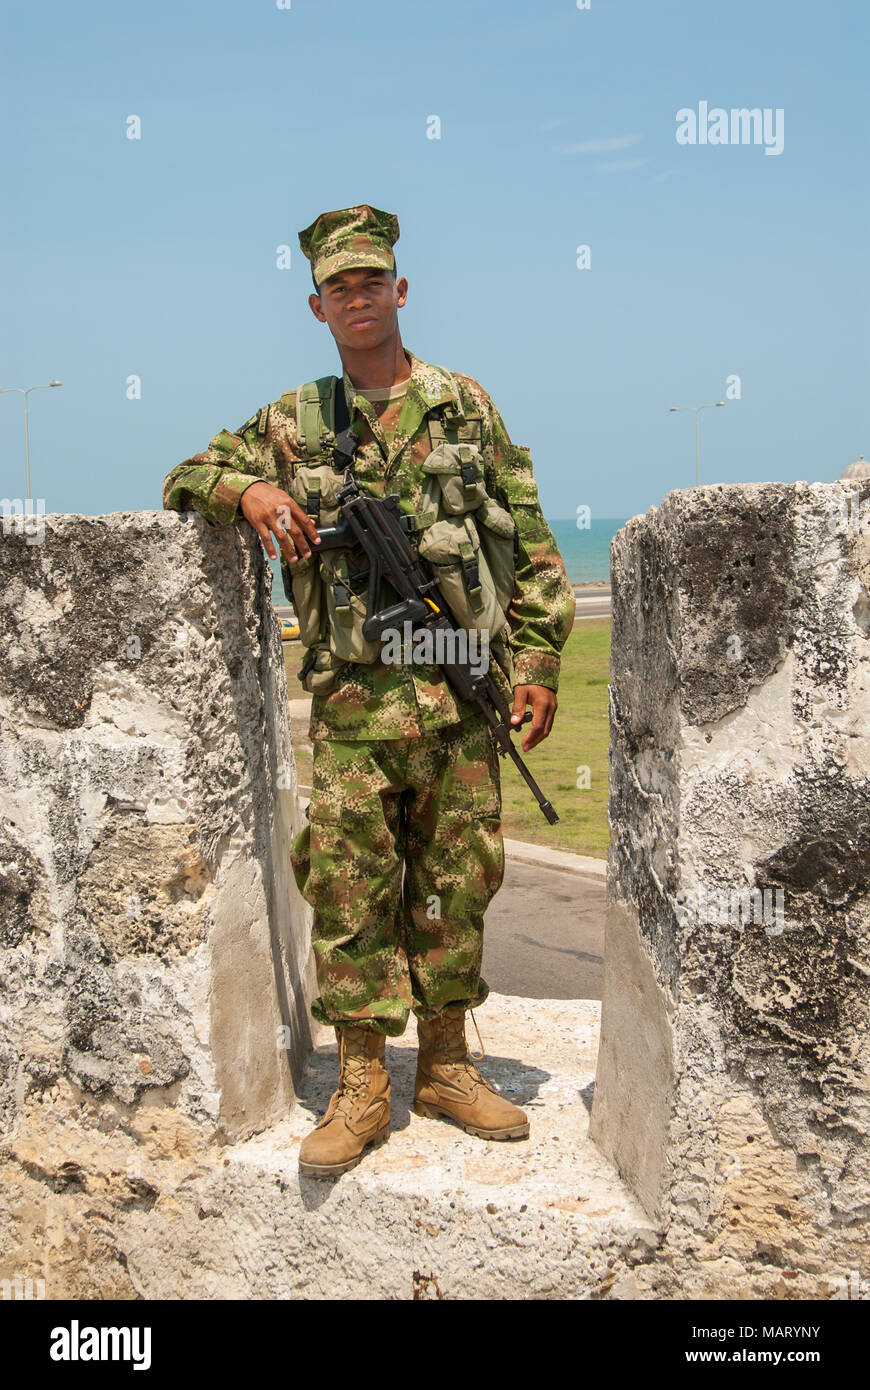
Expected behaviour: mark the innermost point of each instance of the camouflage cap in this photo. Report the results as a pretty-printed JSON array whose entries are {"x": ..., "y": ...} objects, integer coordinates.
[{"x": 350, "y": 237}]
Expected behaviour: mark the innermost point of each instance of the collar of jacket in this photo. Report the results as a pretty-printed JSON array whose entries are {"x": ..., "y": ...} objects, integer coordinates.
[{"x": 427, "y": 389}]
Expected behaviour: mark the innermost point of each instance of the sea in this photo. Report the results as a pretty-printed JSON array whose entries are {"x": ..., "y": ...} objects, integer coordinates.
[{"x": 586, "y": 551}]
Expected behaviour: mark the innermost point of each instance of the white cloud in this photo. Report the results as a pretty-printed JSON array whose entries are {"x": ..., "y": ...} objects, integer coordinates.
[
  {"x": 614, "y": 142},
  {"x": 617, "y": 166}
]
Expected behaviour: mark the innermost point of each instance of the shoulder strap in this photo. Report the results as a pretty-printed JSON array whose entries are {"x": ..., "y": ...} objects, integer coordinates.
[
  {"x": 340, "y": 412},
  {"x": 315, "y": 415},
  {"x": 454, "y": 407}
]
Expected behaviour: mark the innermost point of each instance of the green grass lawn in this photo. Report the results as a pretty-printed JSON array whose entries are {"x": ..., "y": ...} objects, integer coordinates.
[
  {"x": 293, "y": 654},
  {"x": 579, "y": 739}
]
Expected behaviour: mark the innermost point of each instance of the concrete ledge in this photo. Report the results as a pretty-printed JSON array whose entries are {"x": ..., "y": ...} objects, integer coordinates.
[
  {"x": 152, "y": 937},
  {"x": 149, "y": 1210},
  {"x": 433, "y": 1213},
  {"x": 546, "y": 858}
]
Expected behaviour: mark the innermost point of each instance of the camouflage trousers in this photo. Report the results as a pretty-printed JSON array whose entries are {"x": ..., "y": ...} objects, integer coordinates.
[{"x": 400, "y": 858}]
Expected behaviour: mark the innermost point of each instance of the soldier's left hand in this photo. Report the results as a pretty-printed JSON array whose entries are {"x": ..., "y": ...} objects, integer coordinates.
[{"x": 544, "y": 703}]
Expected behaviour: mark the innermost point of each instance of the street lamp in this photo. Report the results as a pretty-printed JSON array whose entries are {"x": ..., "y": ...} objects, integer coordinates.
[
  {"x": 25, "y": 393},
  {"x": 697, "y": 409}
]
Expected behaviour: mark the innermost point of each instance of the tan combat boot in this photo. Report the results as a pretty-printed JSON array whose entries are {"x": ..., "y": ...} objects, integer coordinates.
[
  {"x": 358, "y": 1113},
  {"x": 449, "y": 1084}
]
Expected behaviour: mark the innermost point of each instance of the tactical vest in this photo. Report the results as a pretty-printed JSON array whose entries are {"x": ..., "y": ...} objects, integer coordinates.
[{"x": 467, "y": 537}]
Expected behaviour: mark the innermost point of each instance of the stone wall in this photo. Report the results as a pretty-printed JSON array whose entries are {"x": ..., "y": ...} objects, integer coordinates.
[
  {"x": 734, "y": 1063},
  {"x": 153, "y": 945},
  {"x": 155, "y": 964}
]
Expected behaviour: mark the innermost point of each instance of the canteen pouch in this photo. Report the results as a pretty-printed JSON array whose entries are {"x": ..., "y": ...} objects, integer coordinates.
[
  {"x": 498, "y": 538},
  {"x": 453, "y": 548},
  {"x": 308, "y": 599},
  {"x": 325, "y": 588},
  {"x": 315, "y": 488},
  {"x": 346, "y": 592}
]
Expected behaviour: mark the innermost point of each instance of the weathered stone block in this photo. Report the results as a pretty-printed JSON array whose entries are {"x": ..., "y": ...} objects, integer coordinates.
[
  {"x": 153, "y": 945},
  {"x": 732, "y": 1084}
]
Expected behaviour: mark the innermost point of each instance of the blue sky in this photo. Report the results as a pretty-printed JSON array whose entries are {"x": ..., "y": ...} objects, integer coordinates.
[{"x": 157, "y": 257}]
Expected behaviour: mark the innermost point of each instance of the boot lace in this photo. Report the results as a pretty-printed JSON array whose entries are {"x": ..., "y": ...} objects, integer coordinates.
[
  {"x": 455, "y": 1047},
  {"x": 352, "y": 1079}
]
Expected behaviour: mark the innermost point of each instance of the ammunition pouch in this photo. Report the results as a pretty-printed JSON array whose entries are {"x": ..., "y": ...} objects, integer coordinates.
[
  {"x": 473, "y": 548},
  {"x": 346, "y": 602},
  {"x": 315, "y": 486},
  {"x": 329, "y": 590},
  {"x": 459, "y": 471}
]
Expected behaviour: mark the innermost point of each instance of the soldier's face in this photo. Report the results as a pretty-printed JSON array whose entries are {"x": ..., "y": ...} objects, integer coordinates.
[{"x": 360, "y": 306}]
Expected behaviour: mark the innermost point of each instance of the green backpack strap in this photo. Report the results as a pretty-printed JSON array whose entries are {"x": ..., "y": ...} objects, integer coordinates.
[
  {"x": 315, "y": 415},
  {"x": 453, "y": 408}
]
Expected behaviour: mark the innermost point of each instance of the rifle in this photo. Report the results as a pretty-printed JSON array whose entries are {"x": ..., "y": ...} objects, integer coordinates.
[{"x": 384, "y": 533}]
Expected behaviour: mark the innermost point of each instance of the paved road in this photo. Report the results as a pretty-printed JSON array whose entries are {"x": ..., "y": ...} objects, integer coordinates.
[
  {"x": 544, "y": 934},
  {"x": 592, "y": 605}
]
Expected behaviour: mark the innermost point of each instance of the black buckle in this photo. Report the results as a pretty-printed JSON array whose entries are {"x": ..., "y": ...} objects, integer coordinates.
[
  {"x": 472, "y": 574},
  {"x": 312, "y": 504},
  {"x": 356, "y": 582}
]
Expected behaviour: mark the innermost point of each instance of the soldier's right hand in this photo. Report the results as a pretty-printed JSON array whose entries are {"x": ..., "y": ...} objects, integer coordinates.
[{"x": 269, "y": 509}]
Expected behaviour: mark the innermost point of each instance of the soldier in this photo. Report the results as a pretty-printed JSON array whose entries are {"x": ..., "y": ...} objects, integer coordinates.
[{"x": 403, "y": 851}]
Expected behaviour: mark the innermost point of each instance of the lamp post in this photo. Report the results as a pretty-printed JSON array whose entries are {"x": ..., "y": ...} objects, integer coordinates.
[
  {"x": 25, "y": 392},
  {"x": 697, "y": 409}
]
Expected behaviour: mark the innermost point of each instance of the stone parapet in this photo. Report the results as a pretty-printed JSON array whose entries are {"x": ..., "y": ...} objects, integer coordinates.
[
  {"x": 154, "y": 950},
  {"x": 732, "y": 1082}
]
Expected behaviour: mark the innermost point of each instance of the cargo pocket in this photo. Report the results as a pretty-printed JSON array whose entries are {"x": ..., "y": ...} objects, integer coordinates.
[
  {"x": 316, "y": 849},
  {"x": 476, "y": 787},
  {"x": 486, "y": 802},
  {"x": 452, "y": 547},
  {"x": 459, "y": 470}
]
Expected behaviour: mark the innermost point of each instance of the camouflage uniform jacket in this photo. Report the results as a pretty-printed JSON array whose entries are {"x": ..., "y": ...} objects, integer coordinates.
[{"x": 380, "y": 700}]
